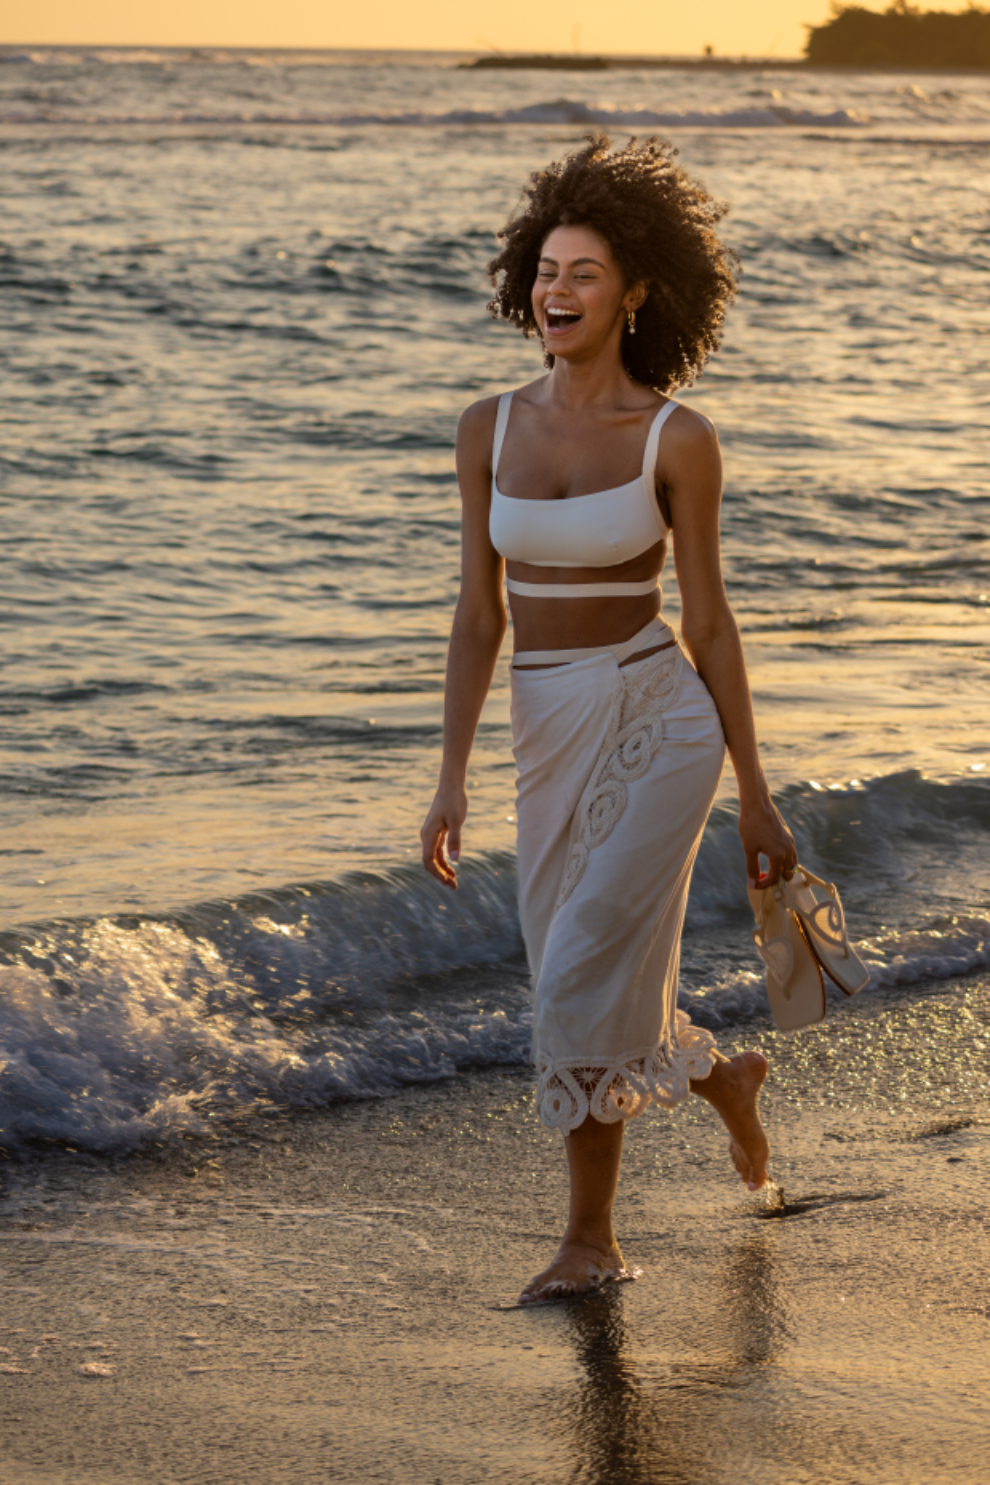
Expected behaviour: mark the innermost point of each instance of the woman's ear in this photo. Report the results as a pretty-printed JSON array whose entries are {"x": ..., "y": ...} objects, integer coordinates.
[{"x": 636, "y": 297}]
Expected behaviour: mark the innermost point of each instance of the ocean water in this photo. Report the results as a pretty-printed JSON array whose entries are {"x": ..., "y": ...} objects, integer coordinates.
[{"x": 242, "y": 299}]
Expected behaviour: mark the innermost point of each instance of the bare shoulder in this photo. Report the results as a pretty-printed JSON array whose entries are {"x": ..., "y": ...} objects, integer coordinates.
[
  {"x": 689, "y": 448},
  {"x": 476, "y": 429},
  {"x": 478, "y": 419},
  {"x": 475, "y": 436},
  {"x": 691, "y": 430}
]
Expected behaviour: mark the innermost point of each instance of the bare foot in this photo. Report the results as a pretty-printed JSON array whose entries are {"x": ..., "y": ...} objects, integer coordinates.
[
  {"x": 578, "y": 1268},
  {"x": 733, "y": 1090}
]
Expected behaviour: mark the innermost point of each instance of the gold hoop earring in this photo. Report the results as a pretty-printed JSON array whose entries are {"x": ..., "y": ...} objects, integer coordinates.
[{"x": 631, "y": 318}]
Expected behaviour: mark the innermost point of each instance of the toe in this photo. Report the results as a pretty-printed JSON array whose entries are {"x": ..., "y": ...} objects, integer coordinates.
[{"x": 752, "y": 1175}]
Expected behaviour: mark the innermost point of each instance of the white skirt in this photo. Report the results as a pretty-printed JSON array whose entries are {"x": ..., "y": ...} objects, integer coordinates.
[{"x": 618, "y": 768}]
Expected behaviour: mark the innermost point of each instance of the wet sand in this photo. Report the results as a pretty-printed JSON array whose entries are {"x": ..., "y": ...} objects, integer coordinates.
[{"x": 318, "y": 1300}]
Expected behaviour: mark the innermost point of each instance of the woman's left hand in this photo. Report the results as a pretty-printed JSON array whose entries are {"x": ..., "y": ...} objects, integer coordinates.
[{"x": 764, "y": 833}]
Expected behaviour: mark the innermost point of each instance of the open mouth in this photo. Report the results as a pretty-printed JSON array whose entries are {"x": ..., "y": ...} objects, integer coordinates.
[{"x": 560, "y": 320}]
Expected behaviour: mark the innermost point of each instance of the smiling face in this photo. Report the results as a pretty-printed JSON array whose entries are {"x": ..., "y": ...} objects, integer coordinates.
[{"x": 580, "y": 297}]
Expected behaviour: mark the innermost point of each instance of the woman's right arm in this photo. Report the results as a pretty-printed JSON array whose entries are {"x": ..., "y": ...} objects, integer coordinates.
[{"x": 475, "y": 640}]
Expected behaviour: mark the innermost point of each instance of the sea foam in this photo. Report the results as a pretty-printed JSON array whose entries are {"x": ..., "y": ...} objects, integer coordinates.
[
  {"x": 118, "y": 1033},
  {"x": 558, "y": 111}
]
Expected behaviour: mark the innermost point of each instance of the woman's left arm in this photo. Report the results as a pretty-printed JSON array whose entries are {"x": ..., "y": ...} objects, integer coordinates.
[{"x": 690, "y": 468}]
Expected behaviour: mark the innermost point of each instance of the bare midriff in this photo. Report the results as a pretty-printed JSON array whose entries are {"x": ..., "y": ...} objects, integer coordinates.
[{"x": 580, "y": 623}]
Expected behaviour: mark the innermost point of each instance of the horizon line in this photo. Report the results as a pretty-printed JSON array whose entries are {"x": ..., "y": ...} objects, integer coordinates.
[{"x": 201, "y": 46}]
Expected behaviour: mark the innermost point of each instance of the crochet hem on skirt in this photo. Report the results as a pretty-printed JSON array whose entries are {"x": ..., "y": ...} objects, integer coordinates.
[{"x": 567, "y": 1092}]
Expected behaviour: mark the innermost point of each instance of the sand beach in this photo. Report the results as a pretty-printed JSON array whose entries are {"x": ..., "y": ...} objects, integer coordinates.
[{"x": 318, "y": 1296}]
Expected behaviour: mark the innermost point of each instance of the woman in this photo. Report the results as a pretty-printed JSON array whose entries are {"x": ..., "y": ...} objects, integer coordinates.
[{"x": 572, "y": 485}]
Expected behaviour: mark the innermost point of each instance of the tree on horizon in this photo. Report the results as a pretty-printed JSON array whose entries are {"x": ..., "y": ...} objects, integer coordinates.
[{"x": 902, "y": 35}]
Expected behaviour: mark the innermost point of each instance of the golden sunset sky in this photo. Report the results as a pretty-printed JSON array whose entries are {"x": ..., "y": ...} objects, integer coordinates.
[{"x": 760, "y": 28}]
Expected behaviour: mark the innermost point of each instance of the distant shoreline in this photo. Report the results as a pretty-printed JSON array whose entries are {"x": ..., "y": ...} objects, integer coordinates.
[
  {"x": 552, "y": 62},
  {"x": 562, "y": 62}
]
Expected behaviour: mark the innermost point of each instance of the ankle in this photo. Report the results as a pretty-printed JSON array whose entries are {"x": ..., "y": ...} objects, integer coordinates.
[
  {"x": 730, "y": 1076},
  {"x": 599, "y": 1237},
  {"x": 715, "y": 1084}
]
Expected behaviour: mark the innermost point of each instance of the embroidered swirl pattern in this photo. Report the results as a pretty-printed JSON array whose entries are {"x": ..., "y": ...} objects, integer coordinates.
[
  {"x": 632, "y": 738},
  {"x": 832, "y": 931},
  {"x": 567, "y": 1092}
]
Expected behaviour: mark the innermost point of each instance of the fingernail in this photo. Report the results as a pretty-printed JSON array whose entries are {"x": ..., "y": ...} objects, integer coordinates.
[
  {"x": 454, "y": 855},
  {"x": 751, "y": 881},
  {"x": 752, "y": 1186}
]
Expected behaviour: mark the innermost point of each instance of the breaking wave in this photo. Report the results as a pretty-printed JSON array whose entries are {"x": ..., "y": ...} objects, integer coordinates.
[
  {"x": 121, "y": 1032},
  {"x": 561, "y": 111}
]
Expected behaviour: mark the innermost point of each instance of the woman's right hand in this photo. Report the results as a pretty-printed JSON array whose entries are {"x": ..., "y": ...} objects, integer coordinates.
[{"x": 441, "y": 834}]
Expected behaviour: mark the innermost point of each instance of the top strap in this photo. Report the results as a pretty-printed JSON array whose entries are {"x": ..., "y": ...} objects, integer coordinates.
[
  {"x": 653, "y": 444},
  {"x": 501, "y": 423}
]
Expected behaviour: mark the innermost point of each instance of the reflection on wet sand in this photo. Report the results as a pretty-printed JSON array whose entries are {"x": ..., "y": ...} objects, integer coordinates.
[{"x": 642, "y": 1415}]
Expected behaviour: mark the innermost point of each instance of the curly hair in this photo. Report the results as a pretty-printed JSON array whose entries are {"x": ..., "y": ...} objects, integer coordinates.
[{"x": 659, "y": 223}]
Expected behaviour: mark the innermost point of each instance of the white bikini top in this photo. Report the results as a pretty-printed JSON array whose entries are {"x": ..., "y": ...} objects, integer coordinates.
[{"x": 597, "y": 530}]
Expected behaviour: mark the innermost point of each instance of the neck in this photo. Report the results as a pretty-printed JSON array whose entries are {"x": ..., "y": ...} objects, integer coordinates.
[{"x": 600, "y": 379}]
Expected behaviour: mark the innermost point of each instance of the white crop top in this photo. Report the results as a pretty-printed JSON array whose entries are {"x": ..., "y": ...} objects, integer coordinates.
[{"x": 597, "y": 530}]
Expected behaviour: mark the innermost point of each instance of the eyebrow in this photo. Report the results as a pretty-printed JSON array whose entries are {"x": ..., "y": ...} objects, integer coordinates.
[{"x": 576, "y": 261}]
